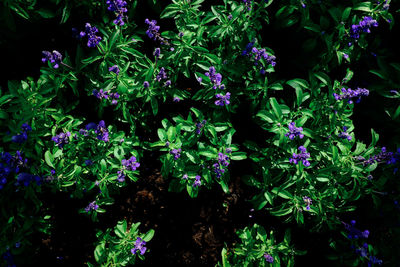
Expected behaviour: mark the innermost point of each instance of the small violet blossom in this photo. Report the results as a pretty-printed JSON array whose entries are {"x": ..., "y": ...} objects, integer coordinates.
[
  {"x": 294, "y": 131},
  {"x": 223, "y": 99},
  {"x": 139, "y": 246},
  {"x": 55, "y": 58},
  {"x": 90, "y": 31},
  {"x": 302, "y": 156}
]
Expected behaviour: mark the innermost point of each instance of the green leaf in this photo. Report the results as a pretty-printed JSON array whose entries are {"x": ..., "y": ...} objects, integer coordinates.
[
  {"x": 120, "y": 229},
  {"x": 238, "y": 156},
  {"x": 282, "y": 193},
  {"x": 154, "y": 105},
  {"x": 149, "y": 235},
  {"x": 276, "y": 107},
  {"x": 48, "y": 157},
  {"x": 375, "y": 137}
]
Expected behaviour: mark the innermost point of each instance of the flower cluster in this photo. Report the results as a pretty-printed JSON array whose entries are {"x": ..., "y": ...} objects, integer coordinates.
[
  {"x": 162, "y": 75},
  {"x": 114, "y": 69},
  {"x": 303, "y": 156},
  {"x": 23, "y": 136},
  {"x": 102, "y": 132},
  {"x": 223, "y": 161},
  {"x": 139, "y": 246},
  {"x": 176, "y": 153},
  {"x": 308, "y": 202},
  {"x": 61, "y": 139},
  {"x": 157, "y": 52},
  {"x": 353, "y": 232},
  {"x": 152, "y": 31},
  {"x": 26, "y": 179},
  {"x": 248, "y": 48},
  {"x": 127, "y": 164},
  {"x": 90, "y": 32},
  {"x": 200, "y": 126},
  {"x": 215, "y": 78},
  {"x": 8, "y": 165},
  {"x": 107, "y": 95},
  {"x": 294, "y": 131},
  {"x": 268, "y": 258},
  {"x": 384, "y": 155},
  {"x": 119, "y": 7},
  {"x": 197, "y": 181},
  {"x": 344, "y": 134},
  {"x": 363, "y": 26},
  {"x": 223, "y": 99},
  {"x": 247, "y": 4},
  {"x": 92, "y": 206},
  {"x": 262, "y": 53},
  {"x": 54, "y": 58},
  {"x": 349, "y": 94}
]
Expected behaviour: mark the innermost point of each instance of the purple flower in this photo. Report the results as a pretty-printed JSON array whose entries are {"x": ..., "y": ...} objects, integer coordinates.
[
  {"x": 363, "y": 26},
  {"x": 294, "y": 131},
  {"x": 90, "y": 31},
  {"x": 248, "y": 48},
  {"x": 119, "y": 8},
  {"x": 353, "y": 232},
  {"x": 185, "y": 177},
  {"x": 199, "y": 126},
  {"x": 222, "y": 99},
  {"x": 268, "y": 258},
  {"x": 161, "y": 75},
  {"x": 302, "y": 156},
  {"x": 230, "y": 16},
  {"x": 167, "y": 83},
  {"x": 215, "y": 78},
  {"x": 180, "y": 34},
  {"x": 88, "y": 162},
  {"x": 176, "y": 99},
  {"x": 61, "y": 139},
  {"x": 92, "y": 206},
  {"x": 114, "y": 69},
  {"x": 139, "y": 246},
  {"x": 131, "y": 164},
  {"x": 197, "y": 181},
  {"x": 176, "y": 153},
  {"x": 152, "y": 31},
  {"x": 102, "y": 132},
  {"x": 199, "y": 79},
  {"x": 54, "y": 58},
  {"x": 373, "y": 260},
  {"x": 100, "y": 94},
  {"x": 26, "y": 178},
  {"x": 258, "y": 54},
  {"x": 345, "y": 135},
  {"x": 381, "y": 157},
  {"x": 308, "y": 202},
  {"x": 121, "y": 176},
  {"x": 157, "y": 53},
  {"x": 349, "y": 94},
  {"x": 146, "y": 84}
]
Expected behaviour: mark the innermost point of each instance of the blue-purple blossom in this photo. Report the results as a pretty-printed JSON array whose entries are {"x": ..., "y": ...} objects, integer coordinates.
[
  {"x": 199, "y": 79},
  {"x": 349, "y": 94},
  {"x": 199, "y": 126},
  {"x": 61, "y": 139},
  {"x": 247, "y": 3},
  {"x": 100, "y": 94},
  {"x": 363, "y": 26},
  {"x": 88, "y": 162},
  {"x": 383, "y": 156},
  {"x": 176, "y": 153},
  {"x": 268, "y": 258},
  {"x": 23, "y": 136},
  {"x": 180, "y": 34},
  {"x": 102, "y": 132},
  {"x": 120, "y": 176},
  {"x": 114, "y": 69},
  {"x": 223, "y": 162},
  {"x": 294, "y": 131},
  {"x": 176, "y": 99},
  {"x": 353, "y": 232},
  {"x": 248, "y": 48},
  {"x": 26, "y": 179},
  {"x": 307, "y": 201},
  {"x": 152, "y": 31},
  {"x": 197, "y": 181},
  {"x": 223, "y": 99},
  {"x": 157, "y": 52},
  {"x": 131, "y": 164},
  {"x": 90, "y": 32},
  {"x": 167, "y": 83},
  {"x": 374, "y": 260},
  {"x": 92, "y": 206},
  {"x": 344, "y": 134},
  {"x": 146, "y": 84},
  {"x": 139, "y": 246},
  {"x": 161, "y": 75},
  {"x": 302, "y": 156},
  {"x": 119, "y": 8},
  {"x": 363, "y": 250},
  {"x": 215, "y": 78},
  {"x": 185, "y": 177},
  {"x": 55, "y": 58}
]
